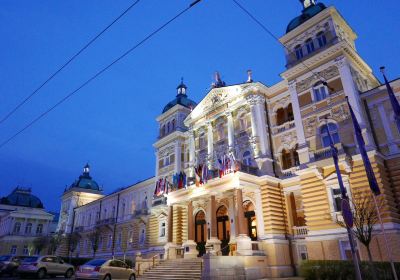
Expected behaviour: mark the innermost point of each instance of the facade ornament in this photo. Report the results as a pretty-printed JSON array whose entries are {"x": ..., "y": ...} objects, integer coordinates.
[
  {"x": 341, "y": 61},
  {"x": 254, "y": 99},
  {"x": 249, "y": 76},
  {"x": 310, "y": 126},
  {"x": 340, "y": 113},
  {"x": 288, "y": 140},
  {"x": 309, "y": 82}
]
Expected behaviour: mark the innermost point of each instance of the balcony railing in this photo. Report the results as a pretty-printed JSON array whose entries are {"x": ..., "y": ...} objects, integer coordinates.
[
  {"x": 108, "y": 221},
  {"x": 300, "y": 231},
  {"x": 159, "y": 201},
  {"x": 283, "y": 127},
  {"x": 327, "y": 152},
  {"x": 288, "y": 173},
  {"x": 249, "y": 169}
]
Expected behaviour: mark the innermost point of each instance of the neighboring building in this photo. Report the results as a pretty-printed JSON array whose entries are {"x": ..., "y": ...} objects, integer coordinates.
[
  {"x": 280, "y": 198},
  {"x": 22, "y": 219}
]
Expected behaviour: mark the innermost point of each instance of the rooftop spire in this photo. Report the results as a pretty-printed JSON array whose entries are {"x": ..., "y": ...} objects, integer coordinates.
[
  {"x": 307, "y": 3},
  {"x": 181, "y": 87},
  {"x": 86, "y": 169}
]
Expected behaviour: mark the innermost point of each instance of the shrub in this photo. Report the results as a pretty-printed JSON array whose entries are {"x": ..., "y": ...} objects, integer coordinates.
[{"x": 344, "y": 270}]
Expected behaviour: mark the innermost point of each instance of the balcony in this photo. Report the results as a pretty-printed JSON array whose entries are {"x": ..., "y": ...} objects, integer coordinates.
[
  {"x": 300, "y": 232},
  {"x": 159, "y": 201},
  {"x": 104, "y": 222},
  {"x": 249, "y": 169},
  {"x": 289, "y": 173},
  {"x": 283, "y": 127},
  {"x": 326, "y": 153}
]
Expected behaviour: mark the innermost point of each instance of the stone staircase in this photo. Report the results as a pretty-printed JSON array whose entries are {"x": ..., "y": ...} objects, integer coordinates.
[{"x": 175, "y": 269}]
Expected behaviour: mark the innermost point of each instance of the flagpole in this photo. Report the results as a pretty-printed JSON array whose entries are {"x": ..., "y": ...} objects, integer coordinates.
[
  {"x": 388, "y": 249},
  {"x": 346, "y": 212},
  {"x": 393, "y": 99}
]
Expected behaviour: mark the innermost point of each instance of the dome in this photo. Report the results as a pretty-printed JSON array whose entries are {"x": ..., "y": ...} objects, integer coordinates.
[
  {"x": 85, "y": 181},
  {"x": 22, "y": 197},
  {"x": 181, "y": 98},
  {"x": 306, "y": 14}
]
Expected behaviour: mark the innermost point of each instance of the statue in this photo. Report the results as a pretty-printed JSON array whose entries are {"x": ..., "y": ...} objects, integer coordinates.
[
  {"x": 218, "y": 81},
  {"x": 307, "y": 3}
]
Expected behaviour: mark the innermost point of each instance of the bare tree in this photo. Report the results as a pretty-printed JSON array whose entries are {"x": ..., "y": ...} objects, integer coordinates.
[
  {"x": 39, "y": 243},
  {"x": 364, "y": 217},
  {"x": 94, "y": 238},
  {"x": 55, "y": 242}
]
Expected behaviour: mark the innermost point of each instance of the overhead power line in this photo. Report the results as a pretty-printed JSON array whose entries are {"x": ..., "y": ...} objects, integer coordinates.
[
  {"x": 322, "y": 79},
  {"x": 26, "y": 99},
  {"x": 99, "y": 73}
]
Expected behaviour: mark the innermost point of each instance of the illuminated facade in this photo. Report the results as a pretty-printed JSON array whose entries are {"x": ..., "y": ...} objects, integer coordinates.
[{"x": 248, "y": 170}]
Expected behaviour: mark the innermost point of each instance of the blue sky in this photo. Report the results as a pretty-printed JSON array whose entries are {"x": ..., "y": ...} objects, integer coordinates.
[{"x": 111, "y": 123}]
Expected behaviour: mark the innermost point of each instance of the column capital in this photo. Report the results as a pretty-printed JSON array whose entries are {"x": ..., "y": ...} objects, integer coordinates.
[
  {"x": 228, "y": 113},
  {"x": 292, "y": 85},
  {"x": 255, "y": 99},
  {"x": 341, "y": 61}
]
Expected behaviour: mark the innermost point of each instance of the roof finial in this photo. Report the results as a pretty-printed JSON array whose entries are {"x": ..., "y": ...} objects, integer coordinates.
[
  {"x": 218, "y": 81},
  {"x": 182, "y": 87},
  {"x": 307, "y": 3},
  {"x": 249, "y": 76}
]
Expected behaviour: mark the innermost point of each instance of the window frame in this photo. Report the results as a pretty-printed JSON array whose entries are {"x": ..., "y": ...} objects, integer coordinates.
[
  {"x": 298, "y": 50},
  {"x": 321, "y": 38},
  {"x": 317, "y": 92},
  {"x": 324, "y": 136},
  {"x": 310, "y": 45}
]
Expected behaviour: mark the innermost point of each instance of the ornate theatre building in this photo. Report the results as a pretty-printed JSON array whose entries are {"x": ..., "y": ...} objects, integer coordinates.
[{"x": 248, "y": 170}]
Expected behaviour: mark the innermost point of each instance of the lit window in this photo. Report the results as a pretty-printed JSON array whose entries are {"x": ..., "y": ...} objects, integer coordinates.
[
  {"x": 28, "y": 228},
  {"x": 13, "y": 250},
  {"x": 130, "y": 238},
  {"x": 119, "y": 240},
  {"x": 299, "y": 52},
  {"x": 162, "y": 229},
  {"x": 109, "y": 243},
  {"x": 321, "y": 39},
  {"x": 17, "y": 227},
  {"x": 333, "y": 130},
  {"x": 310, "y": 46},
  {"x": 247, "y": 158},
  {"x": 39, "y": 228},
  {"x": 25, "y": 250},
  {"x": 142, "y": 238}
]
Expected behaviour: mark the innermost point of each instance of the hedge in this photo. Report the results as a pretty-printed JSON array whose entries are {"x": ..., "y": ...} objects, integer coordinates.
[{"x": 344, "y": 270}]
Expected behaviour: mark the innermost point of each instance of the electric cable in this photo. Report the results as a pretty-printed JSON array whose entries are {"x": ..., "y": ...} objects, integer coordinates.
[
  {"x": 26, "y": 99},
  {"x": 98, "y": 73}
]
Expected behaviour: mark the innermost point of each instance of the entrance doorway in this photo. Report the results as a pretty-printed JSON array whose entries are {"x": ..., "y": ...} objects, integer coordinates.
[
  {"x": 223, "y": 229},
  {"x": 250, "y": 215},
  {"x": 200, "y": 232}
]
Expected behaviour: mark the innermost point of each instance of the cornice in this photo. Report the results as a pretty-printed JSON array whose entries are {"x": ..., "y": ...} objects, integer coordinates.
[{"x": 169, "y": 138}]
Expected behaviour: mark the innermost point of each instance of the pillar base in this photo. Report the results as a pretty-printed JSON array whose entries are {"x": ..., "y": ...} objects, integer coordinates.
[
  {"x": 215, "y": 243},
  {"x": 243, "y": 245},
  {"x": 170, "y": 251},
  {"x": 190, "y": 251}
]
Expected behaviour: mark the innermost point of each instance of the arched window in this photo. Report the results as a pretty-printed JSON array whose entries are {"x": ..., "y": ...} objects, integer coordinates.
[
  {"x": 299, "y": 52},
  {"x": 113, "y": 212},
  {"x": 290, "y": 115},
  {"x": 28, "y": 228},
  {"x": 39, "y": 229},
  {"x": 321, "y": 39},
  {"x": 310, "y": 46},
  {"x": 280, "y": 116},
  {"x": 17, "y": 227},
  {"x": 173, "y": 125},
  {"x": 320, "y": 92},
  {"x": 286, "y": 159},
  {"x": 247, "y": 158},
  {"x": 123, "y": 210},
  {"x": 142, "y": 237},
  {"x": 242, "y": 122},
  {"x": 333, "y": 129}
]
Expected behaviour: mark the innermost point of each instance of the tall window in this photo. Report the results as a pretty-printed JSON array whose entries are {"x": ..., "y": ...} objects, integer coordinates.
[
  {"x": 119, "y": 240},
  {"x": 123, "y": 210},
  {"x": 105, "y": 214},
  {"x": 39, "y": 229},
  {"x": 321, "y": 39},
  {"x": 17, "y": 227},
  {"x": 28, "y": 228},
  {"x": 113, "y": 212},
  {"x": 25, "y": 250},
  {"x": 221, "y": 131},
  {"x": 310, "y": 46},
  {"x": 242, "y": 122},
  {"x": 325, "y": 136},
  {"x": 320, "y": 92},
  {"x": 286, "y": 159},
  {"x": 13, "y": 250},
  {"x": 109, "y": 242},
  {"x": 337, "y": 199},
  {"x": 173, "y": 125},
  {"x": 202, "y": 141},
  {"x": 142, "y": 237},
  {"x": 162, "y": 228},
  {"x": 130, "y": 238},
  {"x": 299, "y": 52},
  {"x": 247, "y": 158},
  {"x": 302, "y": 250}
]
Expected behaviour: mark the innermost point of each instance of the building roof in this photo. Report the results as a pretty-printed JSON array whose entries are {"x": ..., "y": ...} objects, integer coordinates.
[
  {"x": 306, "y": 14},
  {"x": 22, "y": 197},
  {"x": 181, "y": 99},
  {"x": 85, "y": 181}
]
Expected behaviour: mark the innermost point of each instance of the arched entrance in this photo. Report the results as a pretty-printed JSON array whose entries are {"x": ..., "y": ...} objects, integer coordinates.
[
  {"x": 223, "y": 229},
  {"x": 250, "y": 214},
  {"x": 200, "y": 232}
]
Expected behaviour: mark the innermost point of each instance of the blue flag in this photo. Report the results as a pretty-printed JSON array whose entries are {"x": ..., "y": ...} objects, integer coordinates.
[
  {"x": 393, "y": 100},
  {"x": 373, "y": 184}
]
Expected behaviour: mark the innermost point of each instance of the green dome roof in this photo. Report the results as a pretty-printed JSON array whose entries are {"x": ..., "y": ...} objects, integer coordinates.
[
  {"x": 22, "y": 197},
  {"x": 181, "y": 99},
  {"x": 306, "y": 14},
  {"x": 85, "y": 181}
]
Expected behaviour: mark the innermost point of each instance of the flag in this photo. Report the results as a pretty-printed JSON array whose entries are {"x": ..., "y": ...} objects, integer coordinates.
[
  {"x": 373, "y": 184},
  {"x": 184, "y": 180},
  {"x": 156, "y": 189},
  {"x": 393, "y": 100}
]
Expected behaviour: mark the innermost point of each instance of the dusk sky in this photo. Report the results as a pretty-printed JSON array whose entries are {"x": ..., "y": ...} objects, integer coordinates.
[{"x": 111, "y": 123}]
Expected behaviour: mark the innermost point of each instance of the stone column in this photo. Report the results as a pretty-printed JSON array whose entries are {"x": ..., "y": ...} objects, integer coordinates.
[
  {"x": 232, "y": 214},
  {"x": 213, "y": 241},
  {"x": 157, "y": 163},
  {"x": 170, "y": 247},
  {"x": 353, "y": 95},
  {"x": 243, "y": 240},
  {"x": 393, "y": 148},
  {"x": 178, "y": 152},
  {"x": 259, "y": 215},
  {"x": 210, "y": 143},
  {"x": 231, "y": 131},
  {"x": 191, "y": 153},
  {"x": 190, "y": 246},
  {"x": 302, "y": 150}
]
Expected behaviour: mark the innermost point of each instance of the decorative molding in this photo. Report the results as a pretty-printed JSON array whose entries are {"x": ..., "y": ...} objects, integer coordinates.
[
  {"x": 255, "y": 99},
  {"x": 327, "y": 74}
]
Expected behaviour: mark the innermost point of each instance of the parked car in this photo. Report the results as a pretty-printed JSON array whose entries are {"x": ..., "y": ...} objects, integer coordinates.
[
  {"x": 9, "y": 264},
  {"x": 105, "y": 270},
  {"x": 41, "y": 266}
]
